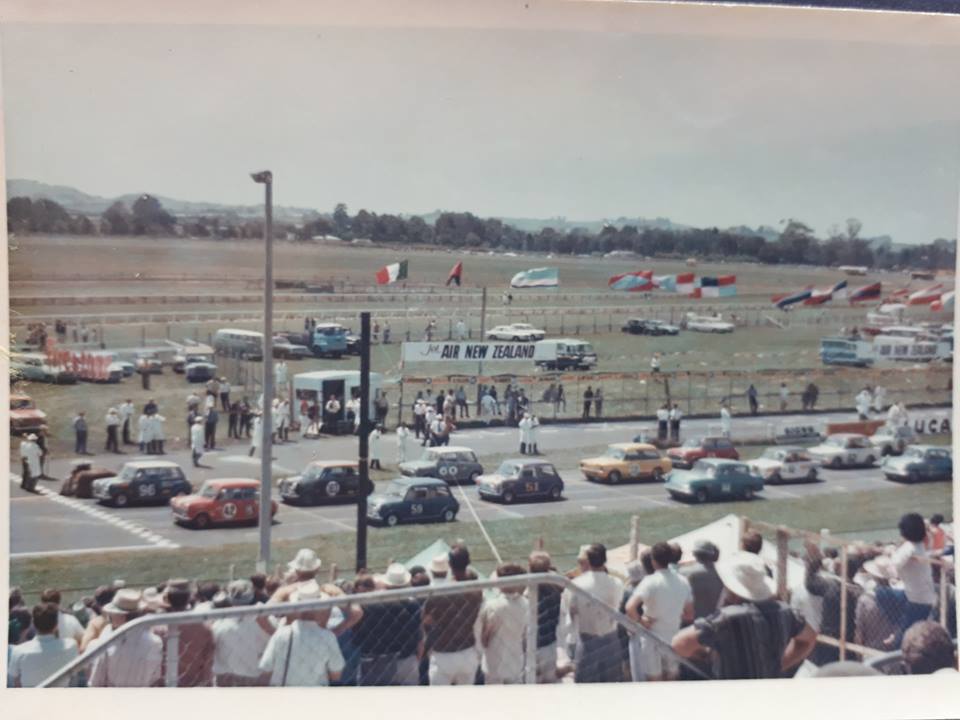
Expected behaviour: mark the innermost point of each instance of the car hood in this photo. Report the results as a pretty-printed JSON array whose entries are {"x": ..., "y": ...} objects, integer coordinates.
[
  {"x": 679, "y": 477},
  {"x": 825, "y": 450},
  {"x": 765, "y": 463},
  {"x": 900, "y": 463},
  {"x": 491, "y": 478},
  {"x": 599, "y": 461},
  {"x": 417, "y": 464},
  {"x": 682, "y": 451},
  {"x": 383, "y": 498},
  {"x": 187, "y": 500},
  {"x": 28, "y": 413}
]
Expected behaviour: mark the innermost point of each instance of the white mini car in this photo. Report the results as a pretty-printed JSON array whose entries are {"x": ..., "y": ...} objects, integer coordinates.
[
  {"x": 708, "y": 323},
  {"x": 845, "y": 450},
  {"x": 518, "y": 332},
  {"x": 780, "y": 464},
  {"x": 893, "y": 441}
]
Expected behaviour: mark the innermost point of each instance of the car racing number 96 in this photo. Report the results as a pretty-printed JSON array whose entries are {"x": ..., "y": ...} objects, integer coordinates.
[{"x": 146, "y": 490}]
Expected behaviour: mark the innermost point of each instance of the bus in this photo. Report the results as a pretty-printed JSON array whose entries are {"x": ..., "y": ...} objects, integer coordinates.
[{"x": 247, "y": 344}]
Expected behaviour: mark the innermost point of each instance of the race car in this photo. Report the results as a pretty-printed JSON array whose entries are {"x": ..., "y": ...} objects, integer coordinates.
[
  {"x": 142, "y": 482},
  {"x": 82, "y": 476},
  {"x": 25, "y": 417},
  {"x": 920, "y": 462},
  {"x": 892, "y": 441},
  {"x": 522, "y": 479},
  {"x": 844, "y": 450},
  {"x": 220, "y": 502},
  {"x": 713, "y": 479},
  {"x": 631, "y": 461},
  {"x": 640, "y": 326},
  {"x": 412, "y": 499},
  {"x": 518, "y": 332},
  {"x": 450, "y": 463},
  {"x": 779, "y": 464},
  {"x": 696, "y": 448},
  {"x": 322, "y": 482}
]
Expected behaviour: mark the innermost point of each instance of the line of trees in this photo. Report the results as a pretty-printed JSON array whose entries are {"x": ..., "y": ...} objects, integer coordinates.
[{"x": 796, "y": 243}]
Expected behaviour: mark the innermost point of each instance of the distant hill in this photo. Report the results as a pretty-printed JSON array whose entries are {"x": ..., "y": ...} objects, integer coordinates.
[{"x": 562, "y": 224}]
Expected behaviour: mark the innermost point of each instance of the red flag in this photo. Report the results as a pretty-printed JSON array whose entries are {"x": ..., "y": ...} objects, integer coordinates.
[{"x": 456, "y": 274}]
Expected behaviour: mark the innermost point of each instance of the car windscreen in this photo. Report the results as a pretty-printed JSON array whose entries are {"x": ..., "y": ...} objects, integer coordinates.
[
  {"x": 128, "y": 473},
  {"x": 208, "y": 491},
  {"x": 614, "y": 453},
  {"x": 692, "y": 442},
  {"x": 771, "y": 454},
  {"x": 508, "y": 469},
  {"x": 914, "y": 453},
  {"x": 836, "y": 441},
  {"x": 705, "y": 468},
  {"x": 430, "y": 456},
  {"x": 395, "y": 488},
  {"x": 21, "y": 404}
]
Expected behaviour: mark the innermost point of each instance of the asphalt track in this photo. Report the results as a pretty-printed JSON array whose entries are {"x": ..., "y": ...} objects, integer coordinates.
[{"x": 48, "y": 524}]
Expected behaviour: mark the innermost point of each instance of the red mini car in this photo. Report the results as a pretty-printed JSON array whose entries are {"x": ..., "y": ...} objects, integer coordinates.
[
  {"x": 220, "y": 502},
  {"x": 697, "y": 448}
]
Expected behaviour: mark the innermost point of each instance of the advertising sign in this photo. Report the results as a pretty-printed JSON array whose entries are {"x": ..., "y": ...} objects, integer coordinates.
[{"x": 414, "y": 352}]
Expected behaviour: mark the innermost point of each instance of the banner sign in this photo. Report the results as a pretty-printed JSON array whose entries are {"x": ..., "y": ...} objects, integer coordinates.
[{"x": 414, "y": 352}]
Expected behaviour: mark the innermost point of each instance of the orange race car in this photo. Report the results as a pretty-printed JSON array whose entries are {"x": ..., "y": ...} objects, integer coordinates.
[
  {"x": 220, "y": 502},
  {"x": 626, "y": 461}
]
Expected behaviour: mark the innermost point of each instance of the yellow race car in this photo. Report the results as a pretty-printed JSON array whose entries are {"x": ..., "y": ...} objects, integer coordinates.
[{"x": 626, "y": 461}]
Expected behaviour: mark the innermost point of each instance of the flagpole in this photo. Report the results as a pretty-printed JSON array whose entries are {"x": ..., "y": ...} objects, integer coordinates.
[{"x": 483, "y": 325}]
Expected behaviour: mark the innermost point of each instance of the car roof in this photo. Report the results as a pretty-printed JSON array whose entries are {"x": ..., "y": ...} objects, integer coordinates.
[
  {"x": 720, "y": 461},
  {"x": 452, "y": 448},
  {"x": 232, "y": 482},
  {"x": 787, "y": 448},
  {"x": 846, "y": 435},
  {"x": 333, "y": 463},
  {"x": 632, "y": 446},
  {"x": 525, "y": 462},
  {"x": 930, "y": 447},
  {"x": 141, "y": 464},
  {"x": 418, "y": 481}
]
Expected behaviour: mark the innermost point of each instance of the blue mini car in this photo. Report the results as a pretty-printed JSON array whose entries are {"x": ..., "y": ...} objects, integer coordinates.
[
  {"x": 714, "y": 479},
  {"x": 521, "y": 480},
  {"x": 412, "y": 499},
  {"x": 920, "y": 462}
]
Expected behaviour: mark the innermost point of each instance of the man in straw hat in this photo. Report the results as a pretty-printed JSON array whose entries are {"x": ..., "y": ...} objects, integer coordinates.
[
  {"x": 389, "y": 635},
  {"x": 303, "y": 653},
  {"x": 753, "y": 635},
  {"x": 137, "y": 659},
  {"x": 239, "y": 642}
]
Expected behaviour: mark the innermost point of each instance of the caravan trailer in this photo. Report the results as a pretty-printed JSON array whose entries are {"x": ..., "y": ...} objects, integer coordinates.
[
  {"x": 247, "y": 344},
  {"x": 317, "y": 387}
]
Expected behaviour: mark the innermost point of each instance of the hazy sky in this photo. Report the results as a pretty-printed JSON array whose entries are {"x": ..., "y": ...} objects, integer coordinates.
[{"x": 704, "y": 130}]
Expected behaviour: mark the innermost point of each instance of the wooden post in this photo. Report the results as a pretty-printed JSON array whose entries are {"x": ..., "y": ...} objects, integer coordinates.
[
  {"x": 634, "y": 536},
  {"x": 783, "y": 540},
  {"x": 843, "y": 603}
]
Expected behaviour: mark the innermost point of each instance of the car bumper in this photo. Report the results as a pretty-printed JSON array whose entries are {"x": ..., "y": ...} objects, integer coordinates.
[
  {"x": 680, "y": 490},
  {"x": 101, "y": 493},
  {"x": 489, "y": 492},
  {"x": 680, "y": 463},
  {"x": 594, "y": 474}
]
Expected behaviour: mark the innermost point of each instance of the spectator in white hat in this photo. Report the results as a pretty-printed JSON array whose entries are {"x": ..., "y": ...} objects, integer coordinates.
[
  {"x": 239, "y": 642},
  {"x": 305, "y": 565},
  {"x": 303, "y": 653},
  {"x": 753, "y": 635},
  {"x": 389, "y": 635},
  {"x": 439, "y": 569},
  {"x": 137, "y": 659}
]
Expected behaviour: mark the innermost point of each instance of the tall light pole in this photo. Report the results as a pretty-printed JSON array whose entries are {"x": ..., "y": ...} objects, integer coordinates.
[{"x": 265, "y": 177}]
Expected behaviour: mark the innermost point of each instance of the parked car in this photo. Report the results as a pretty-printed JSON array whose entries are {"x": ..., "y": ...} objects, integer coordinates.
[
  {"x": 845, "y": 450},
  {"x": 142, "y": 482},
  {"x": 565, "y": 354},
  {"x": 631, "y": 461},
  {"x": 191, "y": 355},
  {"x": 714, "y": 479},
  {"x": 286, "y": 350},
  {"x": 34, "y": 367},
  {"x": 920, "y": 462},
  {"x": 412, "y": 499},
  {"x": 696, "y": 448},
  {"x": 126, "y": 367},
  {"x": 640, "y": 326},
  {"x": 779, "y": 464},
  {"x": 24, "y": 415},
  {"x": 220, "y": 502},
  {"x": 322, "y": 481},
  {"x": 199, "y": 372},
  {"x": 452, "y": 463},
  {"x": 353, "y": 343},
  {"x": 518, "y": 332},
  {"x": 82, "y": 476},
  {"x": 522, "y": 479},
  {"x": 708, "y": 323},
  {"x": 149, "y": 362},
  {"x": 893, "y": 441}
]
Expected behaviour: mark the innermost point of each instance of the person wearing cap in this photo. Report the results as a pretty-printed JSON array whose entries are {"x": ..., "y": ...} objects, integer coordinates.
[
  {"x": 753, "y": 635},
  {"x": 137, "y": 659},
  {"x": 373, "y": 447},
  {"x": 598, "y": 652},
  {"x": 389, "y": 635},
  {"x": 32, "y": 662},
  {"x": 705, "y": 583},
  {"x": 196, "y": 441},
  {"x": 206, "y": 592},
  {"x": 303, "y": 653},
  {"x": 666, "y": 601},
  {"x": 304, "y": 566},
  {"x": 239, "y": 642},
  {"x": 80, "y": 433},
  {"x": 196, "y": 643},
  {"x": 99, "y": 621},
  {"x": 524, "y": 428},
  {"x": 30, "y": 462},
  {"x": 503, "y": 623}
]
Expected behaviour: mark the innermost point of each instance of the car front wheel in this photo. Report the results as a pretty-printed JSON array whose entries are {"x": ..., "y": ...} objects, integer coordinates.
[
  {"x": 614, "y": 477},
  {"x": 700, "y": 495},
  {"x": 836, "y": 463},
  {"x": 812, "y": 475},
  {"x": 449, "y": 515},
  {"x": 391, "y": 520},
  {"x": 658, "y": 474},
  {"x": 748, "y": 494},
  {"x": 201, "y": 521},
  {"x": 508, "y": 497},
  {"x": 121, "y": 500},
  {"x": 555, "y": 492}
]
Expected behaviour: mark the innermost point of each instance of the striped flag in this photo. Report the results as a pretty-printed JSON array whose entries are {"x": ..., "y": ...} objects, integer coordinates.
[
  {"x": 686, "y": 283},
  {"x": 944, "y": 303},
  {"x": 866, "y": 293},
  {"x": 536, "y": 277},
  {"x": 391, "y": 273},
  {"x": 819, "y": 297},
  {"x": 639, "y": 281},
  {"x": 926, "y": 296},
  {"x": 723, "y": 286},
  {"x": 665, "y": 282},
  {"x": 782, "y": 302},
  {"x": 456, "y": 274}
]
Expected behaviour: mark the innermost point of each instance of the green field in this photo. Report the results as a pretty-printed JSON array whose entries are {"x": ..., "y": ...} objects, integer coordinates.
[{"x": 866, "y": 513}]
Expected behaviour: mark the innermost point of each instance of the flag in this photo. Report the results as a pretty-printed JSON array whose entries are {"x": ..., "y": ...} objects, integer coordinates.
[
  {"x": 944, "y": 303},
  {"x": 866, "y": 293},
  {"x": 686, "y": 283},
  {"x": 392, "y": 273},
  {"x": 639, "y": 281},
  {"x": 536, "y": 277},
  {"x": 782, "y": 302},
  {"x": 723, "y": 286},
  {"x": 456, "y": 274},
  {"x": 926, "y": 296},
  {"x": 665, "y": 282},
  {"x": 819, "y": 297}
]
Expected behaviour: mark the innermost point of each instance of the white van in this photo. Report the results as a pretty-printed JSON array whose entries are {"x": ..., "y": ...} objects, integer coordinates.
[
  {"x": 316, "y": 388},
  {"x": 247, "y": 344},
  {"x": 563, "y": 354}
]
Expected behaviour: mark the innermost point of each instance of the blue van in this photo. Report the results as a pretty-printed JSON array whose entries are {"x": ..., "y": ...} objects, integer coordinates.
[{"x": 329, "y": 340}]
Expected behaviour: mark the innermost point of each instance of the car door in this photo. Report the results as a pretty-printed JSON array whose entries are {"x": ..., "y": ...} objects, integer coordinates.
[
  {"x": 633, "y": 465},
  {"x": 789, "y": 467},
  {"x": 724, "y": 481},
  {"x": 416, "y": 507},
  {"x": 168, "y": 481},
  {"x": 547, "y": 479},
  {"x": 145, "y": 486},
  {"x": 528, "y": 483},
  {"x": 332, "y": 484},
  {"x": 248, "y": 507},
  {"x": 447, "y": 467},
  {"x": 709, "y": 448},
  {"x": 350, "y": 482}
]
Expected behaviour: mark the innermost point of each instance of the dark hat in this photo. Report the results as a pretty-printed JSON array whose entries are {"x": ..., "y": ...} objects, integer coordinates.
[{"x": 706, "y": 549}]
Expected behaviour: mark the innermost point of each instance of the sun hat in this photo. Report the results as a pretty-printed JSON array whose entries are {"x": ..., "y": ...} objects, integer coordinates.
[
  {"x": 124, "y": 602},
  {"x": 241, "y": 592},
  {"x": 152, "y": 600},
  {"x": 745, "y": 575},
  {"x": 440, "y": 565},
  {"x": 309, "y": 590},
  {"x": 396, "y": 576},
  {"x": 305, "y": 561}
]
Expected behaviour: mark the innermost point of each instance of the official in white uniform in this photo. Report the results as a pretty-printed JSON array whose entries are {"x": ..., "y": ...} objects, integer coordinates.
[
  {"x": 196, "y": 440},
  {"x": 725, "y": 419},
  {"x": 373, "y": 447},
  {"x": 524, "y": 430},
  {"x": 256, "y": 435},
  {"x": 402, "y": 435},
  {"x": 30, "y": 460},
  {"x": 863, "y": 401}
]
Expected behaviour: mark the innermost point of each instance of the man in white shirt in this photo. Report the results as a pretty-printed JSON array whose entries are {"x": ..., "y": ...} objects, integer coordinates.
[
  {"x": 863, "y": 402},
  {"x": 34, "y": 661},
  {"x": 666, "y": 600},
  {"x": 302, "y": 653},
  {"x": 663, "y": 422},
  {"x": 136, "y": 660},
  {"x": 239, "y": 642},
  {"x": 373, "y": 447},
  {"x": 676, "y": 415},
  {"x": 196, "y": 440},
  {"x": 725, "y": 419},
  {"x": 402, "y": 434},
  {"x": 503, "y": 623},
  {"x": 913, "y": 567},
  {"x": 599, "y": 654},
  {"x": 126, "y": 415},
  {"x": 429, "y": 416}
]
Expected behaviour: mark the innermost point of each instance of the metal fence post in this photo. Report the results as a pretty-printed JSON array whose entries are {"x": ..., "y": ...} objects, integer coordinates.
[
  {"x": 843, "y": 603},
  {"x": 634, "y": 536},
  {"x": 530, "y": 667},
  {"x": 173, "y": 656}
]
